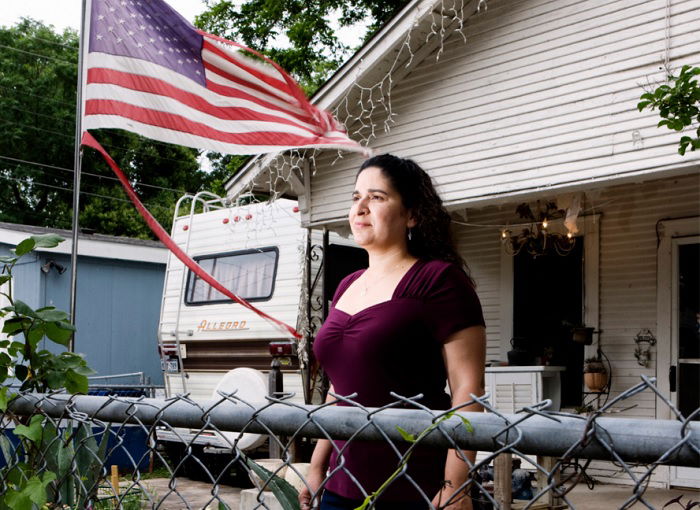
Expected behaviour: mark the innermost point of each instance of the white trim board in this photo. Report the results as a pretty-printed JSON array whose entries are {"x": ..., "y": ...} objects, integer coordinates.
[{"x": 95, "y": 248}]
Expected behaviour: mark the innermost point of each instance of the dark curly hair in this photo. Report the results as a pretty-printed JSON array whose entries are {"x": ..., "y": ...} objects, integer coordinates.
[{"x": 431, "y": 238}]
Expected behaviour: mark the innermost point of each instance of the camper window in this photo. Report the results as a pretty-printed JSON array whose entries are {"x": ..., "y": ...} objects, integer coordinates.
[{"x": 250, "y": 274}]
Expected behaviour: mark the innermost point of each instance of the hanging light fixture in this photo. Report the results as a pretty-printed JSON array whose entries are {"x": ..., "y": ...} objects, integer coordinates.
[{"x": 536, "y": 238}]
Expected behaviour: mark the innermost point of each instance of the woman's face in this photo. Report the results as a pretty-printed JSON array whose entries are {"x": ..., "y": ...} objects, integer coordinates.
[{"x": 377, "y": 217}]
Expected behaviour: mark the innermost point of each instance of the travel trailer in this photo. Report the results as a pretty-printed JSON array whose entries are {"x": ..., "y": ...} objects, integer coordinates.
[
  {"x": 209, "y": 344},
  {"x": 257, "y": 251}
]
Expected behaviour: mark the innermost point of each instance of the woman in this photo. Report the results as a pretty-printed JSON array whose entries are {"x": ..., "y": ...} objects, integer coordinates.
[{"x": 403, "y": 325}]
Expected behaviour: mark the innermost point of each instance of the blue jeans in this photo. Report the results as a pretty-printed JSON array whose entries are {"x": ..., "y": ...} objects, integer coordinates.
[{"x": 332, "y": 501}]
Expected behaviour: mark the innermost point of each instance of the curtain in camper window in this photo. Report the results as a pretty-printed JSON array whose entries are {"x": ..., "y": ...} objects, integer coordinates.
[{"x": 249, "y": 274}]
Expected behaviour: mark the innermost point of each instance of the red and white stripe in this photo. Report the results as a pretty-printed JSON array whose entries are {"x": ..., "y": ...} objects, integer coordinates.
[{"x": 247, "y": 107}]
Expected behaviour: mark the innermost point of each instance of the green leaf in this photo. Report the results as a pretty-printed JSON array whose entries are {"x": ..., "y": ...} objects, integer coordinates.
[
  {"x": 6, "y": 449},
  {"x": 648, "y": 96},
  {"x": 50, "y": 314},
  {"x": 36, "y": 489},
  {"x": 15, "y": 348},
  {"x": 25, "y": 246},
  {"x": 407, "y": 436},
  {"x": 7, "y": 260},
  {"x": 55, "y": 379},
  {"x": 35, "y": 335},
  {"x": 84, "y": 370},
  {"x": 18, "y": 500},
  {"x": 14, "y": 324},
  {"x": 21, "y": 372},
  {"x": 47, "y": 240},
  {"x": 286, "y": 494},
  {"x": 76, "y": 383},
  {"x": 467, "y": 424},
  {"x": 64, "y": 461},
  {"x": 4, "y": 398},
  {"x": 33, "y": 430},
  {"x": 22, "y": 308},
  {"x": 57, "y": 332},
  {"x": 5, "y": 278},
  {"x": 643, "y": 104}
]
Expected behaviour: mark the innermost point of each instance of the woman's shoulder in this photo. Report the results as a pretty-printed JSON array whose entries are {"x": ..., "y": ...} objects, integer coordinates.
[
  {"x": 439, "y": 269},
  {"x": 431, "y": 275}
]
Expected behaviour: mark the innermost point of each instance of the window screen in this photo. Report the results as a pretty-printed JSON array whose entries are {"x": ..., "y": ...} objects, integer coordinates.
[{"x": 249, "y": 274}]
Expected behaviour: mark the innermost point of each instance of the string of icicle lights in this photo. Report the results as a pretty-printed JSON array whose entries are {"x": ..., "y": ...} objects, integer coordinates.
[{"x": 365, "y": 109}]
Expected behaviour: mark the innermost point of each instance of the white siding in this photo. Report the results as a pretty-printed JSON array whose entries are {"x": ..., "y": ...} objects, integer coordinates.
[
  {"x": 543, "y": 95},
  {"x": 629, "y": 214},
  {"x": 628, "y": 285}
]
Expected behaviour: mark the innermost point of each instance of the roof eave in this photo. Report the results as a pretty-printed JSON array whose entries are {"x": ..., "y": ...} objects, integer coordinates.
[{"x": 384, "y": 41}]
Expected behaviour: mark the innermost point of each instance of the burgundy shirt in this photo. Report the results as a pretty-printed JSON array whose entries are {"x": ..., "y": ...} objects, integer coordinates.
[{"x": 395, "y": 345}]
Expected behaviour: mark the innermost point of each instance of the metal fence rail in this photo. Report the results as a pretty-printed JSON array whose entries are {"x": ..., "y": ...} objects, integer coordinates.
[{"x": 78, "y": 438}]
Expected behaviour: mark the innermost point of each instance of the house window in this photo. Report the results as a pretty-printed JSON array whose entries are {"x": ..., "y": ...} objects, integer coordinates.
[
  {"x": 547, "y": 300},
  {"x": 249, "y": 274}
]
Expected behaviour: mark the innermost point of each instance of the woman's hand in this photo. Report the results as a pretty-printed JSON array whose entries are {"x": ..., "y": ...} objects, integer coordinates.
[
  {"x": 314, "y": 478},
  {"x": 461, "y": 501}
]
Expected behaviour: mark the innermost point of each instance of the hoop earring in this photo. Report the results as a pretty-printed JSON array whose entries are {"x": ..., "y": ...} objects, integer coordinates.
[{"x": 410, "y": 236}]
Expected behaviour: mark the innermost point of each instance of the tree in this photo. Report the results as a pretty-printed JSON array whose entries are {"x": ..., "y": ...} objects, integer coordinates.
[
  {"x": 310, "y": 49},
  {"x": 38, "y": 73}
]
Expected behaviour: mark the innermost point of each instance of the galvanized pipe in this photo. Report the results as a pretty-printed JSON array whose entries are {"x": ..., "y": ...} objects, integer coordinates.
[{"x": 634, "y": 440}]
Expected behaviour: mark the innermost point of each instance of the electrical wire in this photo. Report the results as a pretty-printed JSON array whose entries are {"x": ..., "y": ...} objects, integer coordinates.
[
  {"x": 51, "y": 117},
  {"x": 39, "y": 55},
  {"x": 64, "y": 135},
  {"x": 67, "y": 46},
  {"x": 70, "y": 190},
  {"x": 38, "y": 96},
  {"x": 135, "y": 183}
]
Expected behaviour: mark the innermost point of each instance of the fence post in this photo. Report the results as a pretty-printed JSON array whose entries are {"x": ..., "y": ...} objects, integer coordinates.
[
  {"x": 115, "y": 480},
  {"x": 503, "y": 480},
  {"x": 274, "y": 388}
]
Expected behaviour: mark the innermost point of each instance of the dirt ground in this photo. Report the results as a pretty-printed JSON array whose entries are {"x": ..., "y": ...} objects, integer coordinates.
[{"x": 603, "y": 497}]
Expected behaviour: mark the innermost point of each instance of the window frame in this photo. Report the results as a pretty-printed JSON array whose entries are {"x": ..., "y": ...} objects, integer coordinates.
[{"x": 191, "y": 276}]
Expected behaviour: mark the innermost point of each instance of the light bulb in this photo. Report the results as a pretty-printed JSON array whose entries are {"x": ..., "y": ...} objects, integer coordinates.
[
  {"x": 569, "y": 235},
  {"x": 544, "y": 223}
]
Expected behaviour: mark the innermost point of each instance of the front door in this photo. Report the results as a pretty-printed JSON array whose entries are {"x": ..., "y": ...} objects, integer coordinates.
[{"x": 685, "y": 339}]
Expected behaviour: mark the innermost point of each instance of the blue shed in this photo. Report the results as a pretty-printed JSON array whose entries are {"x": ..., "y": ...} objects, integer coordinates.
[{"x": 120, "y": 282}]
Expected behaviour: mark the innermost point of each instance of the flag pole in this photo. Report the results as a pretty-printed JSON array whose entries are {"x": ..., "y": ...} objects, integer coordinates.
[{"x": 77, "y": 161}]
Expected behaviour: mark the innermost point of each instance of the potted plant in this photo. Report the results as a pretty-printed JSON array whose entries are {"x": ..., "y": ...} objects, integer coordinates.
[
  {"x": 582, "y": 335},
  {"x": 595, "y": 375}
]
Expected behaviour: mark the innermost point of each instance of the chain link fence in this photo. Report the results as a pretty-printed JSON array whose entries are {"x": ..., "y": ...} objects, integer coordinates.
[{"x": 97, "y": 452}]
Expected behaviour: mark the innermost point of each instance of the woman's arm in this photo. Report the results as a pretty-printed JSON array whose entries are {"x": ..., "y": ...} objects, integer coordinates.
[
  {"x": 465, "y": 357},
  {"x": 317, "y": 467}
]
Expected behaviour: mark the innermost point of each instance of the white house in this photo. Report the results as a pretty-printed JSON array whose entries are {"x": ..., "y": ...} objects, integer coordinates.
[{"x": 507, "y": 102}]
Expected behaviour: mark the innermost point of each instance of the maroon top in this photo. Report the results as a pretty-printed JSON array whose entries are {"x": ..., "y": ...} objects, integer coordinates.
[{"x": 395, "y": 345}]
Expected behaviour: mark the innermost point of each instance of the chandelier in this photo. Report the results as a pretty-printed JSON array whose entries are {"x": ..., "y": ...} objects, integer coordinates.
[{"x": 536, "y": 237}]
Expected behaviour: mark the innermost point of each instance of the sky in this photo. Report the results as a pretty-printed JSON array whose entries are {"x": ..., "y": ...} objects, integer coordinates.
[{"x": 66, "y": 13}]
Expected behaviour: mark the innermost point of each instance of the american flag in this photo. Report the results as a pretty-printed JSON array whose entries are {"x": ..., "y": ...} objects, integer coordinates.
[{"x": 149, "y": 71}]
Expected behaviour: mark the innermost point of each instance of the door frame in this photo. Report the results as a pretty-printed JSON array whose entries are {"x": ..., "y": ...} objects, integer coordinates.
[
  {"x": 589, "y": 228},
  {"x": 671, "y": 233}
]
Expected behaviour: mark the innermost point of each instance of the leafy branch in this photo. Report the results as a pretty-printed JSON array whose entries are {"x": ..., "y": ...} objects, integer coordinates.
[
  {"x": 39, "y": 468},
  {"x": 678, "y": 105},
  {"x": 414, "y": 440}
]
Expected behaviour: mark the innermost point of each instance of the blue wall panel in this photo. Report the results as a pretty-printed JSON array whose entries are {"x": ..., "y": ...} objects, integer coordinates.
[{"x": 118, "y": 307}]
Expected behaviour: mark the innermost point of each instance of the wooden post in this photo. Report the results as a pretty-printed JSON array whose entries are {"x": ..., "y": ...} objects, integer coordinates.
[
  {"x": 274, "y": 386},
  {"x": 115, "y": 480},
  {"x": 503, "y": 480},
  {"x": 548, "y": 463}
]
